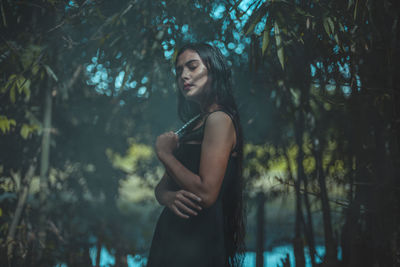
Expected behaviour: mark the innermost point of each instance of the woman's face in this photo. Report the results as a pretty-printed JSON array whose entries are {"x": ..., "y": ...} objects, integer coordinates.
[{"x": 192, "y": 76}]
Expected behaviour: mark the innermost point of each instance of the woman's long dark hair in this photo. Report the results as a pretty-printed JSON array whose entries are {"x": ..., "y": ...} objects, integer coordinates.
[{"x": 221, "y": 91}]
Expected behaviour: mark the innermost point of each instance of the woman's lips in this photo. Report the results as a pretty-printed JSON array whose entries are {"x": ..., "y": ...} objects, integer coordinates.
[{"x": 186, "y": 87}]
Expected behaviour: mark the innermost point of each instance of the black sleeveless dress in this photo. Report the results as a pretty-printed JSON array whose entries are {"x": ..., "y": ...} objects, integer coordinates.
[{"x": 199, "y": 240}]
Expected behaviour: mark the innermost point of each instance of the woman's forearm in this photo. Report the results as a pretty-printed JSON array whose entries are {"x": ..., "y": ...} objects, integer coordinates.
[
  {"x": 182, "y": 203},
  {"x": 185, "y": 178}
]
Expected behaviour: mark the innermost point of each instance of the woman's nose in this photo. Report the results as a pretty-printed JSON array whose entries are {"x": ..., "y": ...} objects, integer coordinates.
[{"x": 185, "y": 74}]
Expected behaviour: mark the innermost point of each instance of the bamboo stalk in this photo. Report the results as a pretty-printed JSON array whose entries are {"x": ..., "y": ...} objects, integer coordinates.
[{"x": 20, "y": 206}]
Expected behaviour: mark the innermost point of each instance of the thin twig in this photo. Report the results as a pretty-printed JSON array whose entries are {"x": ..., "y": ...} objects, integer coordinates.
[{"x": 313, "y": 193}]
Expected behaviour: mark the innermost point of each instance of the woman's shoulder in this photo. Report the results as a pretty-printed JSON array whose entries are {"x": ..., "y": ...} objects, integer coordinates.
[
  {"x": 222, "y": 122},
  {"x": 219, "y": 118},
  {"x": 220, "y": 126}
]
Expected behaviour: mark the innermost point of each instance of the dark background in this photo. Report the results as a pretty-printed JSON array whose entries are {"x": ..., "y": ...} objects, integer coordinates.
[{"x": 86, "y": 87}]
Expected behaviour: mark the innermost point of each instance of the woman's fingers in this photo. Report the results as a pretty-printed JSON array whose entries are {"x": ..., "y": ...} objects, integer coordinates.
[
  {"x": 184, "y": 208},
  {"x": 188, "y": 197},
  {"x": 188, "y": 202},
  {"x": 184, "y": 203},
  {"x": 177, "y": 212},
  {"x": 191, "y": 195}
]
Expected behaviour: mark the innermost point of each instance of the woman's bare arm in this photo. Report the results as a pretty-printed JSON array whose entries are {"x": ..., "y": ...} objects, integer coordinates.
[
  {"x": 218, "y": 141},
  {"x": 181, "y": 202}
]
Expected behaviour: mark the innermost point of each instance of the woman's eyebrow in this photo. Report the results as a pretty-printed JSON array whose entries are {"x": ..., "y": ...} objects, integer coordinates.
[
  {"x": 190, "y": 61},
  {"x": 186, "y": 63}
]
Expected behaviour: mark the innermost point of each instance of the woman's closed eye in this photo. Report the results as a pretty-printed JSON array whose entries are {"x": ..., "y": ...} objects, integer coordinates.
[{"x": 193, "y": 66}]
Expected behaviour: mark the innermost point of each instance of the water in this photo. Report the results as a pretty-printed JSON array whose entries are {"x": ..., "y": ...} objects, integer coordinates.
[{"x": 272, "y": 258}]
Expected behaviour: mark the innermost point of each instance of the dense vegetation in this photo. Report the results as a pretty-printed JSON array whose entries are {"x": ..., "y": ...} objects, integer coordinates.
[{"x": 86, "y": 86}]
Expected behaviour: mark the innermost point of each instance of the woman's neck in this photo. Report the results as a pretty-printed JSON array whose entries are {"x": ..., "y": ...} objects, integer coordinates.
[{"x": 210, "y": 108}]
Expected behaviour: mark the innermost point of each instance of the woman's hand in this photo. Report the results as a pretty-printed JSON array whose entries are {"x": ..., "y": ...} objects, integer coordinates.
[
  {"x": 182, "y": 203},
  {"x": 166, "y": 143}
]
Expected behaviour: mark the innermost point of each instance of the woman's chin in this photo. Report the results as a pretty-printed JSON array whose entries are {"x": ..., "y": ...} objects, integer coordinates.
[{"x": 189, "y": 96}]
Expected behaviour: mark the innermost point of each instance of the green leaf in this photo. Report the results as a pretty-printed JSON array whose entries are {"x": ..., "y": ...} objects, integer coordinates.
[
  {"x": 17, "y": 83},
  {"x": 255, "y": 18},
  {"x": 10, "y": 82},
  {"x": 12, "y": 77},
  {"x": 331, "y": 25},
  {"x": 24, "y": 131},
  {"x": 30, "y": 56},
  {"x": 5, "y": 124},
  {"x": 351, "y": 2},
  {"x": 50, "y": 72},
  {"x": 253, "y": 24},
  {"x": 279, "y": 45},
  {"x": 355, "y": 10},
  {"x": 300, "y": 11},
  {"x": 23, "y": 85},
  {"x": 341, "y": 27},
  {"x": 266, "y": 35},
  {"x": 173, "y": 58},
  {"x": 12, "y": 94},
  {"x": 35, "y": 69},
  {"x": 327, "y": 27},
  {"x": 336, "y": 38},
  {"x": 265, "y": 41}
]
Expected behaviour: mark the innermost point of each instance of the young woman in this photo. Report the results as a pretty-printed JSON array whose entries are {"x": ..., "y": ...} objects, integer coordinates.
[{"x": 202, "y": 224}]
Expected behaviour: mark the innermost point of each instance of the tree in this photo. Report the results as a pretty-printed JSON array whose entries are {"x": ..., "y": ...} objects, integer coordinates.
[{"x": 328, "y": 57}]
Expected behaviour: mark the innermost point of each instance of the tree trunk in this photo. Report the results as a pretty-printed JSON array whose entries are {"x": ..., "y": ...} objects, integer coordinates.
[
  {"x": 260, "y": 230},
  {"x": 309, "y": 229},
  {"x": 98, "y": 254},
  {"x": 298, "y": 246},
  {"x": 120, "y": 258},
  {"x": 330, "y": 244},
  {"x": 299, "y": 134},
  {"x": 20, "y": 206},
  {"x": 44, "y": 165}
]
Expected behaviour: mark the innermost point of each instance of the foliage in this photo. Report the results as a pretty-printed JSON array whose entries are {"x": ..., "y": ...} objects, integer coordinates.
[
  {"x": 323, "y": 76},
  {"x": 317, "y": 84}
]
